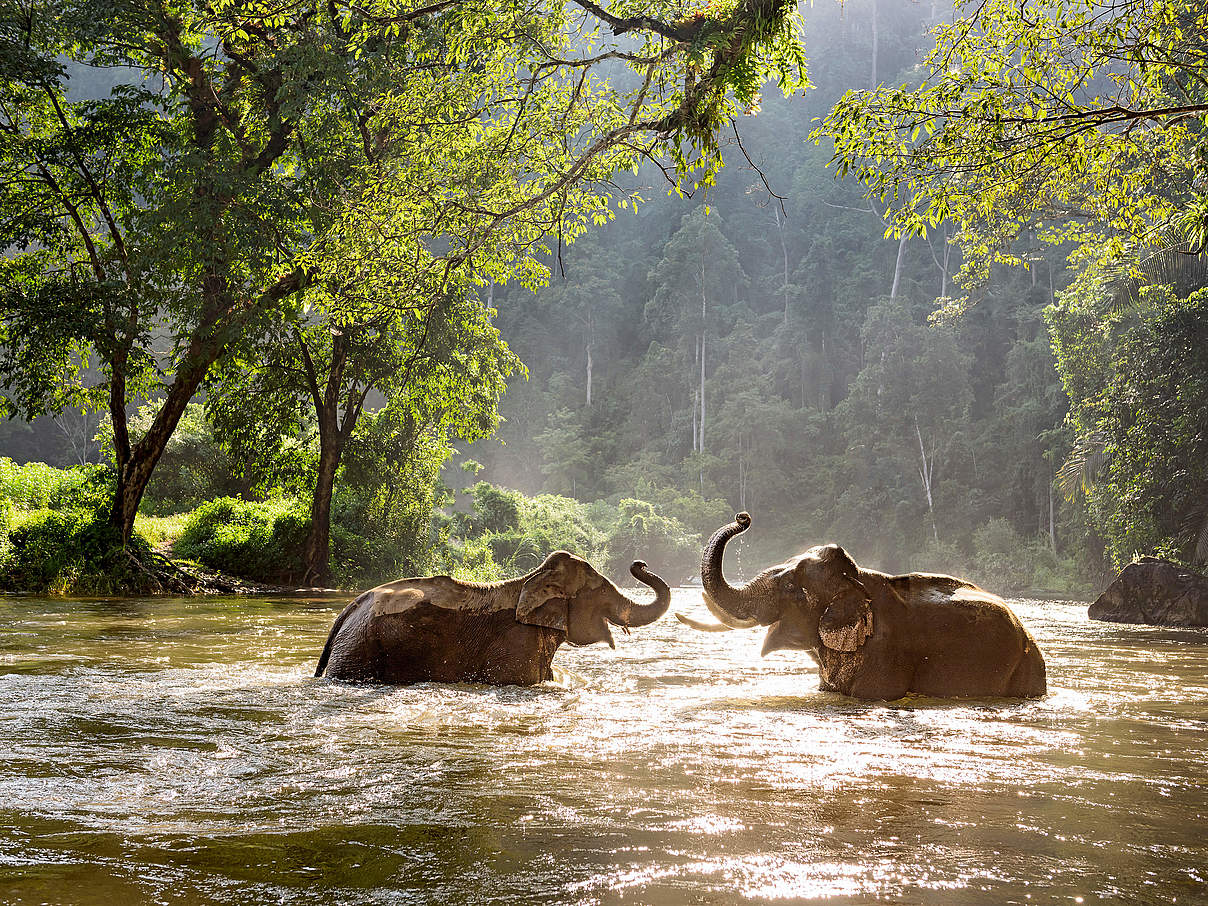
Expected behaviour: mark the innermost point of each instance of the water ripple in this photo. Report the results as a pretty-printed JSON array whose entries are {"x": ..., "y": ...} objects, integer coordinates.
[{"x": 179, "y": 751}]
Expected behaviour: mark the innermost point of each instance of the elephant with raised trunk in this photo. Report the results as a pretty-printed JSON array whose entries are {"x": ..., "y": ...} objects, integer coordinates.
[
  {"x": 441, "y": 629},
  {"x": 877, "y": 636}
]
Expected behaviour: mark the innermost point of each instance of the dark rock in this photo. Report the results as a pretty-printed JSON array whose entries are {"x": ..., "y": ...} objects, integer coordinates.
[{"x": 1154, "y": 591}]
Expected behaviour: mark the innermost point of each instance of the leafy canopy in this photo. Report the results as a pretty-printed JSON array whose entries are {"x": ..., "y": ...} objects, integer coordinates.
[
  {"x": 252, "y": 150},
  {"x": 1052, "y": 120}
]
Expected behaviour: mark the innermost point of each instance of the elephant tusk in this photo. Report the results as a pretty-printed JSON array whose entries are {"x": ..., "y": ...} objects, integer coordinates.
[
  {"x": 731, "y": 621},
  {"x": 703, "y": 627}
]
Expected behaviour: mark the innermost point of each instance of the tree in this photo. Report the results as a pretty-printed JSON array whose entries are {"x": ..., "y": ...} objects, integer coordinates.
[
  {"x": 441, "y": 366},
  {"x": 1049, "y": 121},
  {"x": 699, "y": 272},
  {"x": 903, "y": 420},
  {"x": 258, "y": 151},
  {"x": 1138, "y": 384}
]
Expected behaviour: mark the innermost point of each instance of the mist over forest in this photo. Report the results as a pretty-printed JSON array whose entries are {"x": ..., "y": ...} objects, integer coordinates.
[
  {"x": 620, "y": 370},
  {"x": 764, "y": 346}
]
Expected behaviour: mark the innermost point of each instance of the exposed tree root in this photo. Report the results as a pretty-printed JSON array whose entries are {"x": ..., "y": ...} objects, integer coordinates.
[{"x": 159, "y": 574}]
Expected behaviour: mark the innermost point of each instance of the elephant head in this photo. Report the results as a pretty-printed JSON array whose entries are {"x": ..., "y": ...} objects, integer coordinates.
[
  {"x": 565, "y": 592},
  {"x": 815, "y": 599}
]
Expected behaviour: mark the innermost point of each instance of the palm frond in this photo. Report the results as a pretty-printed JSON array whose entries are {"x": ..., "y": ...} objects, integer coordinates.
[
  {"x": 1082, "y": 466},
  {"x": 1174, "y": 264}
]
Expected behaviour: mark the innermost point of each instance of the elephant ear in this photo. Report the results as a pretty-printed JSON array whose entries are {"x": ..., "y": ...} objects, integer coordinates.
[
  {"x": 847, "y": 623},
  {"x": 542, "y": 603}
]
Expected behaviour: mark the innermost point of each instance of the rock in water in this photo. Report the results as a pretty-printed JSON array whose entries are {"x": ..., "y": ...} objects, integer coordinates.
[{"x": 1154, "y": 591}]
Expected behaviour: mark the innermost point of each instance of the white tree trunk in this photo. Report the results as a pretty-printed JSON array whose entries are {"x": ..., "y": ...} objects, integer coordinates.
[
  {"x": 589, "y": 375},
  {"x": 944, "y": 267},
  {"x": 701, "y": 445},
  {"x": 1052, "y": 520},
  {"x": 925, "y": 473},
  {"x": 897, "y": 268},
  {"x": 872, "y": 82},
  {"x": 784, "y": 252},
  {"x": 591, "y": 338}
]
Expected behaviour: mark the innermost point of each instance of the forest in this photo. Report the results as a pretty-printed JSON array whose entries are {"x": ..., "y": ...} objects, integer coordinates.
[{"x": 387, "y": 354}]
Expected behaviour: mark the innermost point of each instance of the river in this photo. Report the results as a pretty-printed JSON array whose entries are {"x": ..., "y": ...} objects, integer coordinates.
[{"x": 179, "y": 752}]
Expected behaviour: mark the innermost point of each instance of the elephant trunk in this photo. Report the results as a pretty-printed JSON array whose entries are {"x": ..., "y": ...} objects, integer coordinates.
[
  {"x": 731, "y": 605},
  {"x": 629, "y": 613}
]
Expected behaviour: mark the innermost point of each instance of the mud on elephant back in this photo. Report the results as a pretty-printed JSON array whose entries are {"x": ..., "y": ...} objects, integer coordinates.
[
  {"x": 877, "y": 636},
  {"x": 436, "y": 628}
]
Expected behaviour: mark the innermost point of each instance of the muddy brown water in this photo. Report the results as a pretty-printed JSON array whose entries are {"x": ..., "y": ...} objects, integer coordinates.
[{"x": 179, "y": 752}]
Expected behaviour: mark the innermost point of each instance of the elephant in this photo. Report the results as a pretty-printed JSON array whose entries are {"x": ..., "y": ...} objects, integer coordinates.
[
  {"x": 436, "y": 628},
  {"x": 876, "y": 636}
]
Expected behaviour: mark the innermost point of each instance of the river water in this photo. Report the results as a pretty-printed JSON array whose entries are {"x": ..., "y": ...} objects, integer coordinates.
[{"x": 178, "y": 751}]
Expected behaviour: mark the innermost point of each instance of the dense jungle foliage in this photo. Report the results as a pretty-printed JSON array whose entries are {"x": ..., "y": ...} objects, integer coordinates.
[
  {"x": 785, "y": 357},
  {"x": 758, "y": 339}
]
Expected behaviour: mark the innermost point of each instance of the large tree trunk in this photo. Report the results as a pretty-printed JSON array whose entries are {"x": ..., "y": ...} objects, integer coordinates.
[
  {"x": 334, "y": 431},
  {"x": 136, "y": 465},
  {"x": 897, "y": 268},
  {"x": 926, "y": 470},
  {"x": 316, "y": 551}
]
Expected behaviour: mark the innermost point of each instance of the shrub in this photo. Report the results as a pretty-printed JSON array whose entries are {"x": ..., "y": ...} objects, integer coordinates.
[
  {"x": 1001, "y": 558},
  {"x": 72, "y": 551},
  {"x": 6, "y": 525},
  {"x": 520, "y": 532},
  {"x": 702, "y": 515},
  {"x": 261, "y": 541},
  {"x": 37, "y": 486},
  {"x": 553, "y": 522},
  {"x": 495, "y": 509},
  {"x": 643, "y": 534},
  {"x": 473, "y": 562},
  {"x": 941, "y": 558}
]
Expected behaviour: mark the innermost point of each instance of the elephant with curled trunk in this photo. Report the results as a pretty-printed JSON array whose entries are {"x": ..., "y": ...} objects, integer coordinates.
[
  {"x": 440, "y": 629},
  {"x": 877, "y": 636}
]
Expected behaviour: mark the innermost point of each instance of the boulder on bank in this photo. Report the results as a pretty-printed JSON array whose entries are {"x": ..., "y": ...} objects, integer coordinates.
[{"x": 1150, "y": 590}]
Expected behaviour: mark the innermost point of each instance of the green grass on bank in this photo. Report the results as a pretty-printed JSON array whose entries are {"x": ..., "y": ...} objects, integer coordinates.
[{"x": 54, "y": 539}]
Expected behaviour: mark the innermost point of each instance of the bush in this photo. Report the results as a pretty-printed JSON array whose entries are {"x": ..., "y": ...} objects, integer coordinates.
[
  {"x": 258, "y": 541},
  {"x": 941, "y": 558},
  {"x": 475, "y": 563},
  {"x": 643, "y": 534},
  {"x": 519, "y": 532},
  {"x": 553, "y": 522},
  {"x": 701, "y": 515},
  {"x": 1002, "y": 558},
  {"x": 71, "y": 551},
  {"x": 37, "y": 486},
  {"x": 495, "y": 509}
]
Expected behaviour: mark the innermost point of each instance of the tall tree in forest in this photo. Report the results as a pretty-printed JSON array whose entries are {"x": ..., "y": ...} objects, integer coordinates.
[
  {"x": 698, "y": 273},
  {"x": 905, "y": 418},
  {"x": 260, "y": 150},
  {"x": 1137, "y": 377}
]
